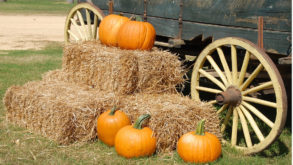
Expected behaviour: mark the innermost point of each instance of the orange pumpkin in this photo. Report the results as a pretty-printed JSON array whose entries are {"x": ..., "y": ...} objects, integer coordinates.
[
  {"x": 134, "y": 141},
  {"x": 199, "y": 146},
  {"x": 136, "y": 35},
  {"x": 109, "y": 28},
  {"x": 109, "y": 123}
]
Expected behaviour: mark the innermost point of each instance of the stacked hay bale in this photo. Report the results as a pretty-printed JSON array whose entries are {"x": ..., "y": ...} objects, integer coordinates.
[
  {"x": 120, "y": 71},
  {"x": 64, "y": 106},
  {"x": 62, "y": 111}
]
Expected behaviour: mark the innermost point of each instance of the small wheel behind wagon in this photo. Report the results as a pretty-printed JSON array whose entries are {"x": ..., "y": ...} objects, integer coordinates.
[
  {"x": 234, "y": 75},
  {"x": 82, "y": 23}
]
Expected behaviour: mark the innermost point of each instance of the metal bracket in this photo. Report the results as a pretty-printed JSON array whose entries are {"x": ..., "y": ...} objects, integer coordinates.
[
  {"x": 145, "y": 11},
  {"x": 260, "y": 32},
  {"x": 111, "y": 4}
]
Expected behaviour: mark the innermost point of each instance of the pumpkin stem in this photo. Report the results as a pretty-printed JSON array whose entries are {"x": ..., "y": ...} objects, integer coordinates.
[
  {"x": 113, "y": 110},
  {"x": 138, "y": 122},
  {"x": 200, "y": 127}
]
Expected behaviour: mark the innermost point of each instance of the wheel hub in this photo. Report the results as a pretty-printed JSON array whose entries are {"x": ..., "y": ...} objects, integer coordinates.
[{"x": 231, "y": 96}]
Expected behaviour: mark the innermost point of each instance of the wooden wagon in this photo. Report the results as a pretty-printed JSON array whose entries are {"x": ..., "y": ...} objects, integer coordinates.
[{"x": 238, "y": 76}]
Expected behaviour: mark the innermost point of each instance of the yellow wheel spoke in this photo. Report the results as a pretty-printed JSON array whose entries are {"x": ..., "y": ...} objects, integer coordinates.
[
  {"x": 244, "y": 68},
  {"x": 222, "y": 108},
  {"x": 73, "y": 35},
  {"x": 258, "y": 114},
  {"x": 218, "y": 70},
  {"x": 210, "y": 90},
  {"x": 252, "y": 123},
  {"x": 245, "y": 128},
  {"x": 225, "y": 65},
  {"x": 251, "y": 77},
  {"x": 82, "y": 24},
  {"x": 234, "y": 128},
  {"x": 258, "y": 88},
  {"x": 234, "y": 64},
  {"x": 95, "y": 26},
  {"x": 212, "y": 102},
  {"x": 77, "y": 28},
  {"x": 226, "y": 120},
  {"x": 89, "y": 25},
  {"x": 212, "y": 78},
  {"x": 260, "y": 101}
]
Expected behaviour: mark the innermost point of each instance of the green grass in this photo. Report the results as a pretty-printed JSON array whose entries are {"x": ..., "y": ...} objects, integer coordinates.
[
  {"x": 19, "y": 146},
  {"x": 59, "y": 7}
]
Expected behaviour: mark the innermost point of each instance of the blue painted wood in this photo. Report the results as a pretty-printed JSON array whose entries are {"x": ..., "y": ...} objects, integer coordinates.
[
  {"x": 129, "y": 6},
  {"x": 215, "y": 18},
  {"x": 274, "y": 42},
  {"x": 240, "y": 13},
  {"x": 162, "y": 8}
]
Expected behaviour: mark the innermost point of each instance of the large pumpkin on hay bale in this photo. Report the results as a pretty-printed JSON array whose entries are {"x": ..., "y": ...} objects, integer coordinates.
[
  {"x": 109, "y": 28},
  {"x": 109, "y": 123},
  {"x": 135, "y": 34},
  {"x": 199, "y": 146},
  {"x": 135, "y": 141}
]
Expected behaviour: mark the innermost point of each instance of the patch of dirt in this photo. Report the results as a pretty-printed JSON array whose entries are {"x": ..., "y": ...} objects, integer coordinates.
[{"x": 21, "y": 32}]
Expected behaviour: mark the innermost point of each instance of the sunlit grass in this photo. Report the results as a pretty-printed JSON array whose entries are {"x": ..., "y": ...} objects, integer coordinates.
[
  {"x": 19, "y": 146},
  {"x": 35, "y": 7}
]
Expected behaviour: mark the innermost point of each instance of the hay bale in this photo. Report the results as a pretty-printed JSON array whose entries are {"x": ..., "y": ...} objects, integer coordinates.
[
  {"x": 122, "y": 71},
  {"x": 172, "y": 115},
  {"x": 61, "y": 111},
  {"x": 65, "y": 104},
  {"x": 101, "y": 67},
  {"x": 67, "y": 112}
]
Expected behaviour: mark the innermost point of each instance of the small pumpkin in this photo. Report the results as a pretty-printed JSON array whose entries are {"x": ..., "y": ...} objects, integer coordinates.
[
  {"x": 109, "y": 123},
  {"x": 136, "y": 35},
  {"x": 109, "y": 28},
  {"x": 135, "y": 141},
  {"x": 199, "y": 146}
]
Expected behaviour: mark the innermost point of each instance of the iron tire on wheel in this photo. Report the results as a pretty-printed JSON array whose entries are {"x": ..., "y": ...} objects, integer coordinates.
[{"x": 232, "y": 89}]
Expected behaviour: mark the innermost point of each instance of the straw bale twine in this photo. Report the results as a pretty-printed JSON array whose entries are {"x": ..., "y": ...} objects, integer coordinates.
[
  {"x": 61, "y": 111},
  {"x": 122, "y": 71},
  {"x": 172, "y": 115}
]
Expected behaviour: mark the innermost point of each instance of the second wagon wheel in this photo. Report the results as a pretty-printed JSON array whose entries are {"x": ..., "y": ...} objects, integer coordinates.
[
  {"x": 82, "y": 23},
  {"x": 236, "y": 76}
]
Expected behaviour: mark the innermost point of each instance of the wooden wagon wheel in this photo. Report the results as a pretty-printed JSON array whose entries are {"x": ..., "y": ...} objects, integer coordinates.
[
  {"x": 82, "y": 23},
  {"x": 236, "y": 83}
]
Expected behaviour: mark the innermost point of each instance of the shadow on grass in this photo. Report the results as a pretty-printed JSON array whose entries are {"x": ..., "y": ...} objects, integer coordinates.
[{"x": 278, "y": 148}]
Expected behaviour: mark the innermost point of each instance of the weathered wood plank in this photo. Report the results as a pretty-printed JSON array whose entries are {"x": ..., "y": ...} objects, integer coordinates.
[
  {"x": 129, "y": 6},
  {"x": 163, "y": 8},
  {"x": 240, "y": 13},
  {"x": 274, "y": 42}
]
